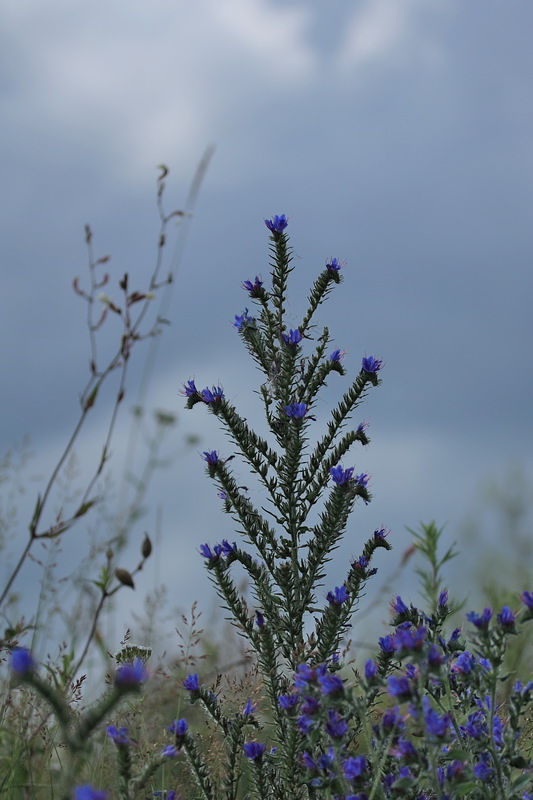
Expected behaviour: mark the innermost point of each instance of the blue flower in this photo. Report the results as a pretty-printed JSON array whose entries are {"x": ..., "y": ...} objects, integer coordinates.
[
  {"x": 392, "y": 719},
  {"x": 191, "y": 683},
  {"x": 119, "y": 735},
  {"x": 21, "y": 661},
  {"x": 371, "y": 669},
  {"x": 341, "y": 476},
  {"x": 386, "y": 644},
  {"x": 331, "y": 684},
  {"x": 288, "y": 701},
  {"x": 399, "y": 686},
  {"x": 259, "y": 619},
  {"x": 277, "y": 224},
  {"x": 334, "y": 265},
  {"x": 482, "y": 770},
  {"x": 362, "y": 479},
  {"x": 339, "y": 596},
  {"x": 131, "y": 675},
  {"x": 212, "y": 395},
  {"x": 179, "y": 727},
  {"x": 296, "y": 410},
  {"x": 254, "y": 750},
  {"x": 292, "y": 337},
  {"x": 227, "y": 548},
  {"x": 353, "y": 768},
  {"x": 436, "y": 726},
  {"x": 337, "y": 355},
  {"x": 527, "y": 599},
  {"x": 336, "y": 726},
  {"x": 406, "y": 639},
  {"x": 170, "y": 751},
  {"x": 88, "y": 792},
  {"x": 398, "y": 606},
  {"x": 211, "y": 457},
  {"x": 381, "y": 534},
  {"x": 506, "y": 618},
  {"x": 443, "y": 599},
  {"x": 209, "y": 554},
  {"x": 248, "y": 709},
  {"x": 242, "y": 320},
  {"x": 189, "y": 389},
  {"x": 254, "y": 288},
  {"x": 480, "y": 621},
  {"x": 464, "y": 664},
  {"x": 304, "y": 675},
  {"x": 371, "y": 364}
]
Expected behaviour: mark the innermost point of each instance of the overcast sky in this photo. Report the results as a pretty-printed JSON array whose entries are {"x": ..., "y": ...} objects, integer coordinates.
[{"x": 395, "y": 134}]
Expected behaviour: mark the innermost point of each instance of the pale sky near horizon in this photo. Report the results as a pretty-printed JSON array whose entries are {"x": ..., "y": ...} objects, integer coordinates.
[{"x": 395, "y": 134}]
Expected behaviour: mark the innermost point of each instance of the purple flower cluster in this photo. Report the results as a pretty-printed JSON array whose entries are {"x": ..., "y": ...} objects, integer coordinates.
[
  {"x": 277, "y": 224},
  {"x": 219, "y": 550}
]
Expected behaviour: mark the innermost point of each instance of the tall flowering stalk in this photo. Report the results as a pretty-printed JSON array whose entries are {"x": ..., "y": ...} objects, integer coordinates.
[{"x": 294, "y": 620}]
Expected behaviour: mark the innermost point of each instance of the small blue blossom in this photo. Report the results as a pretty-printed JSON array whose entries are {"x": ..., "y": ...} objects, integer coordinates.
[
  {"x": 179, "y": 727},
  {"x": 304, "y": 675},
  {"x": 334, "y": 265},
  {"x": 341, "y": 476},
  {"x": 213, "y": 395},
  {"x": 259, "y": 619},
  {"x": 227, "y": 548},
  {"x": 399, "y": 686},
  {"x": 88, "y": 792},
  {"x": 131, "y": 674},
  {"x": 248, "y": 709},
  {"x": 211, "y": 457},
  {"x": 362, "y": 479},
  {"x": 277, "y": 224},
  {"x": 371, "y": 669},
  {"x": 254, "y": 288},
  {"x": 242, "y": 320},
  {"x": 436, "y": 726},
  {"x": 443, "y": 599},
  {"x": 506, "y": 618},
  {"x": 305, "y": 723},
  {"x": 296, "y": 410},
  {"x": 353, "y": 768},
  {"x": 398, "y": 606},
  {"x": 191, "y": 683},
  {"x": 336, "y": 726},
  {"x": 481, "y": 621},
  {"x": 254, "y": 750},
  {"x": 362, "y": 427},
  {"x": 209, "y": 554},
  {"x": 170, "y": 751},
  {"x": 371, "y": 364},
  {"x": 407, "y": 639},
  {"x": 482, "y": 769},
  {"x": 405, "y": 749},
  {"x": 331, "y": 684},
  {"x": 119, "y": 735},
  {"x": 527, "y": 599},
  {"x": 339, "y": 596},
  {"x": 292, "y": 337},
  {"x": 337, "y": 355},
  {"x": 386, "y": 644},
  {"x": 308, "y": 762},
  {"x": 464, "y": 664},
  {"x": 288, "y": 701},
  {"x": 381, "y": 533},
  {"x": 189, "y": 389},
  {"x": 310, "y": 705},
  {"x": 392, "y": 720},
  {"x": 21, "y": 661}
]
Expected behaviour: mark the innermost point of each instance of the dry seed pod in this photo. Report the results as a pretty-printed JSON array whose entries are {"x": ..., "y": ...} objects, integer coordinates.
[
  {"x": 146, "y": 548},
  {"x": 124, "y": 577}
]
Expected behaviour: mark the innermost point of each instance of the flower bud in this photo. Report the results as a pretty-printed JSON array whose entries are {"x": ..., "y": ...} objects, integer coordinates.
[{"x": 124, "y": 577}]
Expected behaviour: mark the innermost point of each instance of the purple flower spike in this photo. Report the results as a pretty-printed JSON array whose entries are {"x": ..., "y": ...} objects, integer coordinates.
[
  {"x": 212, "y": 395},
  {"x": 341, "y": 476},
  {"x": 21, "y": 662},
  {"x": 481, "y": 621},
  {"x": 277, "y": 224},
  {"x": 371, "y": 364},
  {"x": 259, "y": 619},
  {"x": 506, "y": 618},
  {"x": 337, "y": 355},
  {"x": 296, "y": 410},
  {"x": 178, "y": 727},
  {"x": 191, "y": 683},
  {"x": 362, "y": 479}
]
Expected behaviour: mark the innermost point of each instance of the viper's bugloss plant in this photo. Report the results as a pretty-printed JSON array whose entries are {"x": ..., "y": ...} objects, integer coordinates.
[{"x": 423, "y": 719}]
